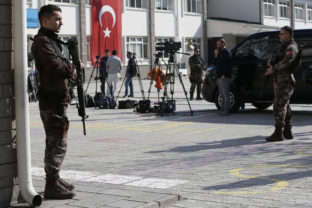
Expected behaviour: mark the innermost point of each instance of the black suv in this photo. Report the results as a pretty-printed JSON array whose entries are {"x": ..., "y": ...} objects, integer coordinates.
[{"x": 249, "y": 64}]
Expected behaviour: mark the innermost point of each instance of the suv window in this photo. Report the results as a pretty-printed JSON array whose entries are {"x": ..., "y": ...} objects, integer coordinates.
[
  {"x": 263, "y": 48},
  {"x": 243, "y": 50}
]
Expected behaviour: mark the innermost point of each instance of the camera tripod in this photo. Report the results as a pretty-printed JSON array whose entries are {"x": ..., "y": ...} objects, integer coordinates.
[
  {"x": 168, "y": 103},
  {"x": 97, "y": 67}
]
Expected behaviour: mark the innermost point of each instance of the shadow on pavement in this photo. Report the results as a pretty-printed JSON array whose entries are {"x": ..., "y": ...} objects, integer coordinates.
[
  {"x": 217, "y": 145},
  {"x": 260, "y": 181}
]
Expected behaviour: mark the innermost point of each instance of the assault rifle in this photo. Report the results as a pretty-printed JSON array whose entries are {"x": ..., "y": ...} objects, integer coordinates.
[{"x": 72, "y": 45}]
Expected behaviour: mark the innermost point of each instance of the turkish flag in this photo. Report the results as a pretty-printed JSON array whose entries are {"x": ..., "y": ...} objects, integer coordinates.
[{"x": 106, "y": 27}]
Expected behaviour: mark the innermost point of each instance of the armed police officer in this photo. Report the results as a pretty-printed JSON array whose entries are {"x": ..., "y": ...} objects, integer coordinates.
[
  {"x": 281, "y": 67},
  {"x": 54, "y": 72},
  {"x": 196, "y": 76}
]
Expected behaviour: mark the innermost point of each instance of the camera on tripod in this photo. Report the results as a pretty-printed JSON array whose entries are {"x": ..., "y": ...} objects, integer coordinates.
[{"x": 168, "y": 46}]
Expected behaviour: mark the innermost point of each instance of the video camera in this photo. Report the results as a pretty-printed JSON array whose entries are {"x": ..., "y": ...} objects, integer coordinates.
[{"x": 168, "y": 46}]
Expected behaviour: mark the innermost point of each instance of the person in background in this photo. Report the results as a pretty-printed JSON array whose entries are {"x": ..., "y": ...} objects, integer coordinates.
[{"x": 223, "y": 65}]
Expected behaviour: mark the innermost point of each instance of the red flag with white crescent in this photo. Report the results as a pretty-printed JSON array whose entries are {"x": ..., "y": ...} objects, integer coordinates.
[{"x": 106, "y": 27}]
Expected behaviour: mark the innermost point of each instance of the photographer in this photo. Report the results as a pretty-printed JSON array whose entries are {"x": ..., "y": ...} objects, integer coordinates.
[
  {"x": 103, "y": 72},
  {"x": 130, "y": 73},
  {"x": 196, "y": 76},
  {"x": 54, "y": 72}
]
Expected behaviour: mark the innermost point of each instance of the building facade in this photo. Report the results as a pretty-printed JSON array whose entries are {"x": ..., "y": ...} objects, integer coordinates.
[{"x": 203, "y": 21}]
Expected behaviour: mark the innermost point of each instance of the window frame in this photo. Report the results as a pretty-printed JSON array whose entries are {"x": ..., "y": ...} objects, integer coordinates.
[
  {"x": 299, "y": 8},
  {"x": 309, "y": 13},
  {"x": 143, "y": 42},
  {"x": 144, "y": 4},
  {"x": 284, "y": 5},
  {"x": 189, "y": 6},
  {"x": 71, "y": 2},
  {"x": 195, "y": 41},
  {"x": 269, "y": 4}
]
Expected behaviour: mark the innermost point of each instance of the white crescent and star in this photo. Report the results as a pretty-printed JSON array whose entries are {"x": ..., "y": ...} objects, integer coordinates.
[{"x": 110, "y": 10}]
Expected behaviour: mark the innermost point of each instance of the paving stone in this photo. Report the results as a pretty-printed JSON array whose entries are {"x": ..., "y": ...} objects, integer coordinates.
[{"x": 126, "y": 204}]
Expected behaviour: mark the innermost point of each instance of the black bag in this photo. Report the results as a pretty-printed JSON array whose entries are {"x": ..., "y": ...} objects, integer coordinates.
[
  {"x": 89, "y": 101},
  {"x": 165, "y": 107},
  {"x": 106, "y": 103},
  {"x": 144, "y": 106},
  {"x": 127, "y": 104}
]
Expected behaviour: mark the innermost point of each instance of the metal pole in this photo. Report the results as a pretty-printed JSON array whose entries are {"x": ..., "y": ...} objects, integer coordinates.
[
  {"x": 22, "y": 105},
  {"x": 292, "y": 14}
]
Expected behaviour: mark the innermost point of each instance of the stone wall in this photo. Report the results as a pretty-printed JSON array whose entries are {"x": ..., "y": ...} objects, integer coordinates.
[{"x": 8, "y": 162}]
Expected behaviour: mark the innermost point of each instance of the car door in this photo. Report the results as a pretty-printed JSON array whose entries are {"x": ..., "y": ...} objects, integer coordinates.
[
  {"x": 262, "y": 49},
  {"x": 303, "y": 90}
]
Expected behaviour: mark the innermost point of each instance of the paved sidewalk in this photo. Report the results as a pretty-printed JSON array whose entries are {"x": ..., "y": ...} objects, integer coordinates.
[{"x": 182, "y": 161}]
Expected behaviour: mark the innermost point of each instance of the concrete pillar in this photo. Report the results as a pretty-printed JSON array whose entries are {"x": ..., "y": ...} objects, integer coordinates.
[
  {"x": 261, "y": 12},
  {"x": 8, "y": 161},
  {"x": 152, "y": 30},
  {"x": 292, "y": 14},
  {"x": 205, "y": 30},
  {"x": 82, "y": 30}
]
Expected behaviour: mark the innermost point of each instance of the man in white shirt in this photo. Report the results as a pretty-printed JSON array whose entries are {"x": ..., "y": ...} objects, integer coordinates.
[{"x": 113, "y": 68}]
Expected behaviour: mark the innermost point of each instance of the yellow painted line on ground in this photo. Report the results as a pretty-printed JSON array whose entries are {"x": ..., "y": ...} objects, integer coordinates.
[
  {"x": 204, "y": 130},
  {"x": 302, "y": 152},
  {"x": 280, "y": 184}
]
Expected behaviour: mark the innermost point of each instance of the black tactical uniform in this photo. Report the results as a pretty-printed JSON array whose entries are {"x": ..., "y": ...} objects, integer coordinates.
[
  {"x": 196, "y": 75},
  {"x": 283, "y": 82},
  {"x": 54, "y": 72}
]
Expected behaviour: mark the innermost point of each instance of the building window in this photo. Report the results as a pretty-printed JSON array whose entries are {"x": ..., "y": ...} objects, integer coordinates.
[
  {"x": 309, "y": 12},
  {"x": 162, "y": 40},
  {"x": 195, "y": 41},
  {"x": 66, "y": 1},
  {"x": 29, "y": 3},
  {"x": 164, "y": 4},
  {"x": 284, "y": 9},
  {"x": 269, "y": 8},
  {"x": 138, "y": 45},
  {"x": 137, "y": 4},
  {"x": 193, "y": 6},
  {"x": 299, "y": 8}
]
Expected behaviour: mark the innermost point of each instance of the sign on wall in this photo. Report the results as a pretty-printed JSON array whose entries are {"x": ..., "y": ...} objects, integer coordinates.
[{"x": 32, "y": 18}]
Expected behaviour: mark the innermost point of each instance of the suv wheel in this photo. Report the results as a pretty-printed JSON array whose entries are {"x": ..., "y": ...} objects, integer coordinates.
[
  {"x": 261, "y": 105},
  {"x": 235, "y": 100}
]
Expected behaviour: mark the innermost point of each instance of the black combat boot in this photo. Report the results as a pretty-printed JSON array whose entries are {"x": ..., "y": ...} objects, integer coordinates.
[
  {"x": 66, "y": 184},
  {"x": 199, "y": 98},
  {"x": 55, "y": 190},
  {"x": 277, "y": 135},
  {"x": 287, "y": 132},
  {"x": 191, "y": 95}
]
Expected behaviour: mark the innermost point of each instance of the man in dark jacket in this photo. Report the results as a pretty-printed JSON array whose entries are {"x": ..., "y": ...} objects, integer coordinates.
[
  {"x": 130, "y": 73},
  {"x": 281, "y": 67},
  {"x": 54, "y": 71},
  {"x": 196, "y": 75},
  {"x": 103, "y": 72},
  {"x": 223, "y": 58}
]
